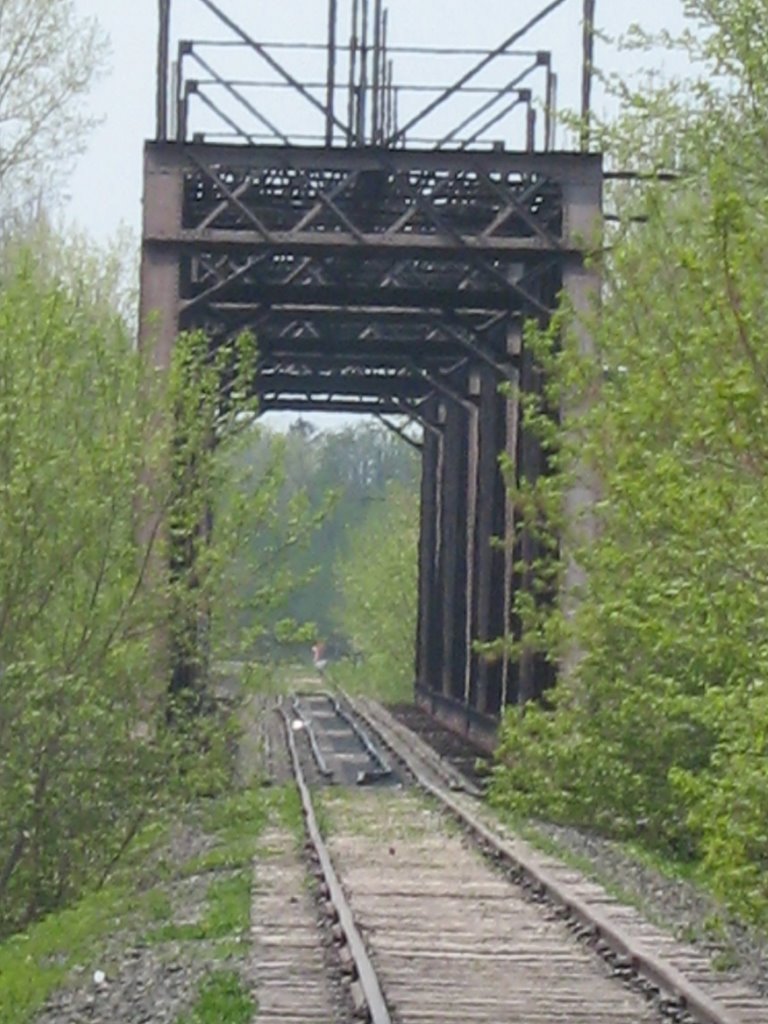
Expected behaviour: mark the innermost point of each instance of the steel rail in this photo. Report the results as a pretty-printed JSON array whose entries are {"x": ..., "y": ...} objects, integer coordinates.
[
  {"x": 316, "y": 751},
  {"x": 366, "y": 973},
  {"x": 375, "y": 754},
  {"x": 383, "y": 770},
  {"x": 665, "y": 976}
]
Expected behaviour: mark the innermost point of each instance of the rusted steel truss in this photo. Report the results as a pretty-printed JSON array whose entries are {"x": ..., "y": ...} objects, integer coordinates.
[
  {"x": 356, "y": 87},
  {"x": 391, "y": 280}
]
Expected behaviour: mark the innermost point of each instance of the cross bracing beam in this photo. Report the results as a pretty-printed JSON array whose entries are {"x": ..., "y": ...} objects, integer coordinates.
[
  {"x": 445, "y": 280},
  {"x": 305, "y": 404},
  {"x": 363, "y": 244},
  {"x": 363, "y": 89},
  {"x": 363, "y": 249}
]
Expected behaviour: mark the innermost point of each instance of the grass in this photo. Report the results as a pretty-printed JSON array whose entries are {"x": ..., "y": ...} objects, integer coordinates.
[
  {"x": 35, "y": 963},
  {"x": 227, "y": 913},
  {"x": 221, "y": 999}
]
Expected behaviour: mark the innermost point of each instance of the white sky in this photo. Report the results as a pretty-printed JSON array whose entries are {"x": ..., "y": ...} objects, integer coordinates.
[{"x": 106, "y": 187}]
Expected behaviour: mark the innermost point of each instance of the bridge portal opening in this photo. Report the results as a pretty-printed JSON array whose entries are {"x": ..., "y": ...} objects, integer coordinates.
[{"x": 385, "y": 239}]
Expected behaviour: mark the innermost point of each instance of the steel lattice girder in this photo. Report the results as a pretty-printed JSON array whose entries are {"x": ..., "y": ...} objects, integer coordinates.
[{"x": 364, "y": 256}]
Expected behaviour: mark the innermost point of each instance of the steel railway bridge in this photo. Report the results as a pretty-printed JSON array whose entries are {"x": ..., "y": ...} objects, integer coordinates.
[{"x": 386, "y": 240}]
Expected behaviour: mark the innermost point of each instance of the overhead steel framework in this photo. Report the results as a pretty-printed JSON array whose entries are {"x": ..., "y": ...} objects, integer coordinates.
[{"x": 386, "y": 242}]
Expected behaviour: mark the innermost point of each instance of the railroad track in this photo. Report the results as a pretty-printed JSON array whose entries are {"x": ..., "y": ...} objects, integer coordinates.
[{"x": 440, "y": 919}]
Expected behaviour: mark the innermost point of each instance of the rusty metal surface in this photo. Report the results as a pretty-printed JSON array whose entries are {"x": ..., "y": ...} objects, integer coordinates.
[
  {"x": 382, "y": 274},
  {"x": 377, "y": 274}
]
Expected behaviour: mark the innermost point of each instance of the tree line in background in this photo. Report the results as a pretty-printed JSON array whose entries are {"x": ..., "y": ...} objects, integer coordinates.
[
  {"x": 336, "y": 486},
  {"x": 661, "y": 733}
]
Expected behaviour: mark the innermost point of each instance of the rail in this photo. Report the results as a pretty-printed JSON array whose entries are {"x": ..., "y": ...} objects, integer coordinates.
[
  {"x": 366, "y": 973},
  {"x": 664, "y": 975}
]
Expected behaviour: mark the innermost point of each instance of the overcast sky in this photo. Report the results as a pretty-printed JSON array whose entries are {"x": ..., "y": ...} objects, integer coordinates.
[{"x": 106, "y": 187}]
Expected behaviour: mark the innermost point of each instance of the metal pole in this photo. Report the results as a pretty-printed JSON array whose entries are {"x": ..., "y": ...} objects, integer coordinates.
[
  {"x": 163, "y": 62},
  {"x": 587, "y": 70},
  {"x": 377, "y": 63},
  {"x": 352, "y": 112},
  {"x": 549, "y": 112},
  {"x": 384, "y": 74},
  {"x": 363, "y": 90},
  {"x": 173, "y": 126},
  {"x": 389, "y": 121},
  {"x": 333, "y": 14}
]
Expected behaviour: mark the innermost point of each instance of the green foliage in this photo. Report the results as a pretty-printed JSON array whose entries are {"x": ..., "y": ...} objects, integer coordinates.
[
  {"x": 659, "y": 733},
  {"x": 49, "y": 57},
  {"x": 327, "y": 482},
  {"x": 222, "y": 999},
  {"x": 272, "y": 524},
  {"x": 91, "y": 506},
  {"x": 77, "y": 772},
  {"x": 35, "y": 963},
  {"x": 377, "y": 579},
  {"x": 227, "y": 913}
]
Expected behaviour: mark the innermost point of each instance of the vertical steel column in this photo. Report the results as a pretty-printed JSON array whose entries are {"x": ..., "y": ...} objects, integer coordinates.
[
  {"x": 160, "y": 270},
  {"x": 583, "y": 220},
  {"x": 330, "y": 103},
  {"x": 529, "y": 470},
  {"x": 453, "y": 561},
  {"x": 587, "y": 73},
  {"x": 158, "y": 329},
  {"x": 353, "y": 97},
  {"x": 488, "y": 611},
  {"x": 509, "y": 669},
  {"x": 377, "y": 71},
  {"x": 362, "y": 94},
  {"x": 427, "y": 630},
  {"x": 473, "y": 512},
  {"x": 163, "y": 63}
]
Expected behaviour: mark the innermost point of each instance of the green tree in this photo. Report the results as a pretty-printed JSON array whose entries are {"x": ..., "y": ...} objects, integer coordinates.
[
  {"x": 74, "y": 616},
  {"x": 49, "y": 58},
  {"x": 660, "y": 732},
  {"x": 93, "y": 497},
  {"x": 377, "y": 578},
  {"x": 329, "y": 480}
]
